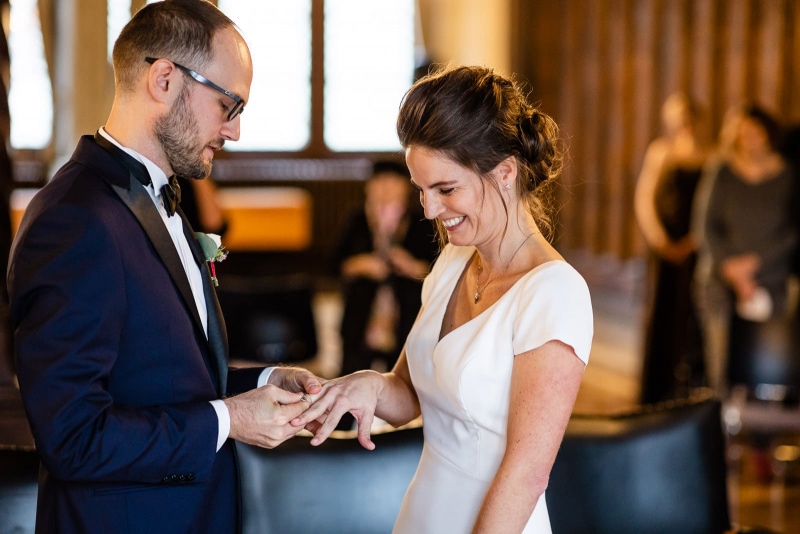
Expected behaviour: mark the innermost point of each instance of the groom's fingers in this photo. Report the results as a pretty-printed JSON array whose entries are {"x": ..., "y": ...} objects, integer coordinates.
[
  {"x": 295, "y": 380},
  {"x": 259, "y": 416},
  {"x": 281, "y": 396},
  {"x": 309, "y": 382}
]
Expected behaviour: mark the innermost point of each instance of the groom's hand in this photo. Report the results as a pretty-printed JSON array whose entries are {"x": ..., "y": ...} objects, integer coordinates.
[
  {"x": 262, "y": 416},
  {"x": 296, "y": 380}
]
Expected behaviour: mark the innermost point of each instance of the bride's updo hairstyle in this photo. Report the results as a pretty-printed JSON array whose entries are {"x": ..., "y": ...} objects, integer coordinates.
[{"x": 477, "y": 118}]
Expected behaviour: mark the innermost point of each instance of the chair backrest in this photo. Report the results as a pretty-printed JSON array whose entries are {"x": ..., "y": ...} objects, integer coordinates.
[
  {"x": 337, "y": 487},
  {"x": 19, "y": 473},
  {"x": 269, "y": 320},
  {"x": 660, "y": 469},
  {"x": 765, "y": 353}
]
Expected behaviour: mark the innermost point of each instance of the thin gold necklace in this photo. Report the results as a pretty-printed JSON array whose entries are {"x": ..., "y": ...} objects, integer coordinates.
[{"x": 478, "y": 290}]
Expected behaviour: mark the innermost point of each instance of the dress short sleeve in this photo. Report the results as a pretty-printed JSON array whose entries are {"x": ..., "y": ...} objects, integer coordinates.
[{"x": 554, "y": 304}]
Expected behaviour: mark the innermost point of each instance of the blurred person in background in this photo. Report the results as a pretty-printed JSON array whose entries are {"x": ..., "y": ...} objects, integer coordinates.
[
  {"x": 673, "y": 163},
  {"x": 385, "y": 251},
  {"x": 745, "y": 218}
]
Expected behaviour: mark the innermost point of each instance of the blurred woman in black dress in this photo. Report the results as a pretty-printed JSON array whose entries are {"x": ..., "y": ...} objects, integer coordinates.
[{"x": 673, "y": 163}]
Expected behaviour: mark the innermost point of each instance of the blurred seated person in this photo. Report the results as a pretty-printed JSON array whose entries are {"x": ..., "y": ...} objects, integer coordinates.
[
  {"x": 746, "y": 218},
  {"x": 199, "y": 204},
  {"x": 384, "y": 253}
]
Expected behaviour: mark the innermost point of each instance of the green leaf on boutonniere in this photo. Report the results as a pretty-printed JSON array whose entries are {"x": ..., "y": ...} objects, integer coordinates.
[{"x": 213, "y": 251}]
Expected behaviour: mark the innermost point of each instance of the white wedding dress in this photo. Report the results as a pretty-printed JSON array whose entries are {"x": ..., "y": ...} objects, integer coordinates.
[{"x": 463, "y": 383}]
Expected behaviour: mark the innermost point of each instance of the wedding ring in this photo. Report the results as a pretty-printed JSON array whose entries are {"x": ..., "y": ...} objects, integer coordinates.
[{"x": 306, "y": 398}]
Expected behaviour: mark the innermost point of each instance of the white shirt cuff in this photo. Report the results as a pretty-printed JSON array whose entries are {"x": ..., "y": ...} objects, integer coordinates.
[
  {"x": 264, "y": 376},
  {"x": 224, "y": 418}
]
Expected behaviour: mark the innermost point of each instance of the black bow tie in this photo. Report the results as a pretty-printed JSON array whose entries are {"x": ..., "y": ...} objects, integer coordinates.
[{"x": 171, "y": 195}]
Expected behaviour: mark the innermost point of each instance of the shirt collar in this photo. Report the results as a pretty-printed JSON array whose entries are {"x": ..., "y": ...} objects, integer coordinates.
[{"x": 157, "y": 176}]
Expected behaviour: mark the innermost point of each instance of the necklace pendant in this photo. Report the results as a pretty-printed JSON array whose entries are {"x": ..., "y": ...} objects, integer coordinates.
[{"x": 477, "y": 297}]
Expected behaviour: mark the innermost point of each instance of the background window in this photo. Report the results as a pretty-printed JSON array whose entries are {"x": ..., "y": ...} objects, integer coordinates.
[
  {"x": 30, "y": 96},
  {"x": 368, "y": 50},
  {"x": 369, "y": 65},
  {"x": 278, "y": 112},
  {"x": 119, "y": 13}
]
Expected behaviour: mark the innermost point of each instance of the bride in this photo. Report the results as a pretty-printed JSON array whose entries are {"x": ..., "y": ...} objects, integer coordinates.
[{"x": 495, "y": 359}]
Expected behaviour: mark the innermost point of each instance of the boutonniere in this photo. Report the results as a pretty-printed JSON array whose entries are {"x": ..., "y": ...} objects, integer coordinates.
[{"x": 212, "y": 250}]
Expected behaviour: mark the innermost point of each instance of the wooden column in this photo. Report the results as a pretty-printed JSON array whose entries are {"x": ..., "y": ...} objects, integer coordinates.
[{"x": 84, "y": 83}]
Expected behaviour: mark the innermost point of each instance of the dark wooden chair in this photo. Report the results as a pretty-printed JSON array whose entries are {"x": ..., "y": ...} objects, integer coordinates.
[{"x": 656, "y": 470}]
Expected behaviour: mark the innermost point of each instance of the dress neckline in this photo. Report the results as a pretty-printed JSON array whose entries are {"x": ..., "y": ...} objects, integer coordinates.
[{"x": 511, "y": 289}]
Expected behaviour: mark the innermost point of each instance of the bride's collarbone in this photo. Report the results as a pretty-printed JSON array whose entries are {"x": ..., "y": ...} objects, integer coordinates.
[{"x": 492, "y": 292}]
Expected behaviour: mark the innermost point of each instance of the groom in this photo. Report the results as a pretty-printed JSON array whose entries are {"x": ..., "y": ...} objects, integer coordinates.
[{"x": 120, "y": 345}]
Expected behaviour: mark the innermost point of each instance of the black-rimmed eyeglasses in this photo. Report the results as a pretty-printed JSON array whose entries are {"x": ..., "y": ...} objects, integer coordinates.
[{"x": 238, "y": 105}]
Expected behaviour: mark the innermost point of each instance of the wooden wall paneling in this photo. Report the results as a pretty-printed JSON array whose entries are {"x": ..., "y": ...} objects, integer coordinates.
[
  {"x": 672, "y": 45},
  {"x": 645, "y": 121},
  {"x": 791, "y": 67},
  {"x": 702, "y": 60},
  {"x": 571, "y": 233},
  {"x": 687, "y": 45},
  {"x": 599, "y": 78},
  {"x": 619, "y": 59},
  {"x": 769, "y": 56},
  {"x": 656, "y": 27},
  {"x": 750, "y": 53},
  {"x": 589, "y": 162},
  {"x": 545, "y": 58},
  {"x": 615, "y": 201},
  {"x": 720, "y": 81},
  {"x": 792, "y": 63},
  {"x": 735, "y": 50},
  {"x": 632, "y": 243}
]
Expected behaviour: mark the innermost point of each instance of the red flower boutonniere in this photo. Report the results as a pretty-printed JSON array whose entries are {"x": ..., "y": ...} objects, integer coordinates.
[{"x": 212, "y": 250}]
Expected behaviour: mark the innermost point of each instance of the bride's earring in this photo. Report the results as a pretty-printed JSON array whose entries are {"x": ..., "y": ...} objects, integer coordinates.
[{"x": 507, "y": 186}]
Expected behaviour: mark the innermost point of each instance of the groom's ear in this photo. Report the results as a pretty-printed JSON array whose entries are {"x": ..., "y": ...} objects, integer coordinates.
[{"x": 162, "y": 81}]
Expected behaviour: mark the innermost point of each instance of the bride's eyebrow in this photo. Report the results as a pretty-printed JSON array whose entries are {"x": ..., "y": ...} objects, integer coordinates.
[{"x": 443, "y": 183}]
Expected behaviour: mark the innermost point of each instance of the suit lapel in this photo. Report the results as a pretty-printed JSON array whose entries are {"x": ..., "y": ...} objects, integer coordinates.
[
  {"x": 140, "y": 203},
  {"x": 217, "y": 334}
]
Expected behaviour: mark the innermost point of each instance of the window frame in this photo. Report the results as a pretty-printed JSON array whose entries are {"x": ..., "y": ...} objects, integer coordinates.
[{"x": 316, "y": 149}]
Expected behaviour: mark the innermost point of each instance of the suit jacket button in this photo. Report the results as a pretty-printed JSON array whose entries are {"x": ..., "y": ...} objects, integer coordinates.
[{"x": 190, "y": 476}]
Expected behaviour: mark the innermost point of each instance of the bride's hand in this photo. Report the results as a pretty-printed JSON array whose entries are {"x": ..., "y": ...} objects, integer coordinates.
[{"x": 356, "y": 393}]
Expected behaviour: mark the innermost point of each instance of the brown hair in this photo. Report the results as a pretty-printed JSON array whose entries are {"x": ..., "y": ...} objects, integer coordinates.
[
  {"x": 178, "y": 30},
  {"x": 477, "y": 119}
]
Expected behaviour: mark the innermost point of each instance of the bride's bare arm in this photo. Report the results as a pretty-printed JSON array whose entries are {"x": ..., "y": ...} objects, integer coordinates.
[
  {"x": 365, "y": 394},
  {"x": 544, "y": 385}
]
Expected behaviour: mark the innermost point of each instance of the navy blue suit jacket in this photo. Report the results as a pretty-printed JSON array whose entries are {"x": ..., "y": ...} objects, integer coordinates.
[{"x": 113, "y": 365}]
